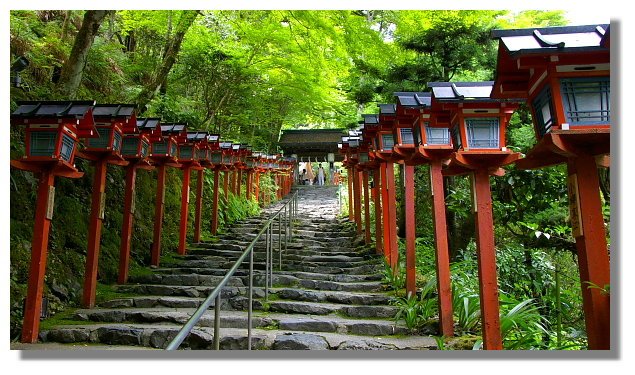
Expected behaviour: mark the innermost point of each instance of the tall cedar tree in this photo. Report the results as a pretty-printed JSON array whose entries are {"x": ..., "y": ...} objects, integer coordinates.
[{"x": 73, "y": 68}]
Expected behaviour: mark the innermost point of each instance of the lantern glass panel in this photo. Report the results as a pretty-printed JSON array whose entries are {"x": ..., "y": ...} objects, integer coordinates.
[
  {"x": 160, "y": 147},
  {"x": 116, "y": 144},
  {"x": 586, "y": 100},
  {"x": 387, "y": 141},
  {"x": 482, "y": 132},
  {"x": 406, "y": 136},
  {"x": 68, "y": 145},
  {"x": 103, "y": 141},
  {"x": 363, "y": 157},
  {"x": 437, "y": 136},
  {"x": 144, "y": 148},
  {"x": 216, "y": 158},
  {"x": 417, "y": 134},
  {"x": 43, "y": 143},
  {"x": 185, "y": 152},
  {"x": 543, "y": 108},
  {"x": 172, "y": 149},
  {"x": 456, "y": 137},
  {"x": 130, "y": 146}
]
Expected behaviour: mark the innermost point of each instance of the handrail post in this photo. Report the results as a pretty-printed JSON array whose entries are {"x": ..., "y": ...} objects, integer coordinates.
[
  {"x": 280, "y": 241},
  {"x": 251, "y": 298},
  {"x": 217, "y": 322},
  {"x": 271, "y": 254},
  {"x": 267, "y": 261}
]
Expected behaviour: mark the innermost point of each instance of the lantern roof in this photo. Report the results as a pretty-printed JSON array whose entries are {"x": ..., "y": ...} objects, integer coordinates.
[
  {"x": 122, "y": 113},
  {"x": 173, "y": 128},
  {"x": 148, "y": 123},
  {"x": 54, "y": 109},
  {"x": 226, "y": 145},
  {"x": 413, "y": 99},
  {"x": 114, "y": 110},
  {"x": 550, "y": 39},
  {"x": 196, "y": 136},
  {"x": 459, "y": 91},
  {"x": 387, "y": 109},
  {"x": 370, "y": 119}
]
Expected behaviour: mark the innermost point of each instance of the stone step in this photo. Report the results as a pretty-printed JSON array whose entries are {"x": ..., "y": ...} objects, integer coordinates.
[
  {"x": 184, "y": 280},
  {"x": 343, "y": 278},
  {"x": 241, "y": 303},
  {"x": 286, "y": 266},
  {"x": 158, "y": 336},
  {"x": 323, "y": 322},
  {"x": 348, "y": 298}
]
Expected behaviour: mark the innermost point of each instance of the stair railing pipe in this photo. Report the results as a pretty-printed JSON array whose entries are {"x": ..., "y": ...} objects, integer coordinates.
[{"x": 215, "y": 295}]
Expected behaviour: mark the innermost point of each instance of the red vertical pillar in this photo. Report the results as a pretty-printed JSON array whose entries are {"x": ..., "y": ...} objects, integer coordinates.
[
  {"x": 392, "y": 215},
  {"x": 215, "y": 202},
  {"x": 442, "y": 256},
  {"x": 378, "y": 216},
  {"x": 126, "y": 229},
  {"x": 486, "y": 255},
  {"x": 158, "y": 216},
  {"x": 39, "y": 250},
  {"x": 411, "y": 287},
  {"x": 257, "y": 188},
  {"x": 185, "y": 200},
  {"x": 226, "y": 185},
  {"x": 94, "y": 233},
  {"x": 357, "y": 192},
  {"x": 384, "y": 211},
  {"x": 366, "y": 207},
  {"x": 199, "y": 205},
  {"x": 234, "y": 182},
  {"x": 593, "y": 257},
  {"x": 250, "y": 175},
  {"x": 351, "y": 204},
  {"x": 239, "y": 180}
]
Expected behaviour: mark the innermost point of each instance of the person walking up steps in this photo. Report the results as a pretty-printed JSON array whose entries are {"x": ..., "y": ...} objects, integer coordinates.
[{"x": 321, "y": 175}]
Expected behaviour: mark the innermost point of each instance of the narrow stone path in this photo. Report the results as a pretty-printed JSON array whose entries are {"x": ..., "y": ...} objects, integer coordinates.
[{"x": 327, "y": 296}]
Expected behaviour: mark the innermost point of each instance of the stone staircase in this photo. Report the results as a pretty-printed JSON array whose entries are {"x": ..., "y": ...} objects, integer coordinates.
[{"x": 328, "y": 294}]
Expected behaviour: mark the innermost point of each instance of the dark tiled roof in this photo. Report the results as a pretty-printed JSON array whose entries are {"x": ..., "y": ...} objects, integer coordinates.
[
  {"x": 370, "y": 119},
  {"x": 292, "y": 137},
  {"x": 387, "y": 109},
  {"x": 413, "y": 99},
  {"x": 172, "y": 128},
  {"x": 114, "y": 110},
  {"x": 56, "y": 109},
  {"x": 552, "y": 38},
  {"x": 461, "y": 90},
  {"x": 196, "y": 136},
  {"x": 148, "y": 123}
]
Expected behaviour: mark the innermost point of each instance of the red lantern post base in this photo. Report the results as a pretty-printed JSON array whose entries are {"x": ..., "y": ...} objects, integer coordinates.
[{"x": 39, "y": 251}]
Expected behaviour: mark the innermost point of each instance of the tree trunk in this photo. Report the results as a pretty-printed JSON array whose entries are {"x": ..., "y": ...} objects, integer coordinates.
[
  {"x": 185, "y": 21},
  {"x": 73, "y": 68}
]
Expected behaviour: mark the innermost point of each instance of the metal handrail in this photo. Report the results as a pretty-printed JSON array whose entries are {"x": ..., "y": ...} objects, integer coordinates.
[{"x": 289, "y": 216}]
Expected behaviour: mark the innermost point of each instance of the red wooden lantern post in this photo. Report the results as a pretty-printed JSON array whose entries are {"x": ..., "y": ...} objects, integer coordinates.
[
  {"x": 364, "y": 164},
  {"x": 384, "y": 143},
  {"x": 564, "y": 75},
  {"x": 53, "y": 130},
  {"x": 429, "y": 144},
  {"x": 206, "y": 146},
  {"x": 217, "y": 158},
  {"x": 188, "y": 157},
  {"x": 110, "y": 121},
  {"x": 163, "y": 154},
  {"x": 136, "y": 150},
  {"x": 477, "y": 126},
  {"x": 369, "y": 139}
]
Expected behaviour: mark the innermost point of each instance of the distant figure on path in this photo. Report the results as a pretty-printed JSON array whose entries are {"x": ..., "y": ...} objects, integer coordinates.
[
  {"x": 303, "y": 178},
  {"x": 321, "y": 175}
]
